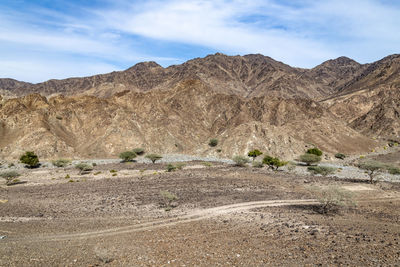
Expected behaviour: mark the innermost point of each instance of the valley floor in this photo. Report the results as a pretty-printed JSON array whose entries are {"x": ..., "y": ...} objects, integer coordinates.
[{"x": 223, "y": 216}]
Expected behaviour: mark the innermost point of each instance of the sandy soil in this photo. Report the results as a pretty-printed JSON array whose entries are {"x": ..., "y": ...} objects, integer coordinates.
[{"x": 224, "y": 216}]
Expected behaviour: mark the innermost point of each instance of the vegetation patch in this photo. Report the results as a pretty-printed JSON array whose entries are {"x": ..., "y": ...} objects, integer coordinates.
[
  {"x": 153, "y": 157},
  {"x": 30, "y": 159},
  {"x": 323, "y": 170},
  {"x": 240, "y": 161},
  {"x": 61, "y": 162}
]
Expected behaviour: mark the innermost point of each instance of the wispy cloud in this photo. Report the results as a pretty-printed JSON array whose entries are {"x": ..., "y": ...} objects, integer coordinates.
[{"x": 74, "y": 38}]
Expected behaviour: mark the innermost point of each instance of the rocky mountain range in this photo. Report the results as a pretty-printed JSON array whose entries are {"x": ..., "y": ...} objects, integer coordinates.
[{"x": 245, "y": 102}]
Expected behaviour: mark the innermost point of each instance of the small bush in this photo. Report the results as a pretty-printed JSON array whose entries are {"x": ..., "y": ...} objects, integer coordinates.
[
  {"x": 323, "y": 170},
  {"x": 291, "y": 166},
  {"x": 254, "y": 153},
  {"x": 332, "y": 198},
  {"x": 273, "y": 163},
  {"x": 153, "y": 157},
  {"x": 340, "y": 156},
  {"x": 394, "y": 170},
  {"x": 30, "y": 159},
  {"x": 170, "y": 168},
  {"x": 138, "y": 151},
  {"x": 257, "y": 164},
  {"x": 96, "y": 173},
  {"x": 127, "y": 156},
  {"x": 10, "y": 177},
  {"x": 219, "y": 150},
  {"x": 213, "y": 142},
  {"x": 113, "y": 171},
  {"x": 9, "y": 174},
  {"x": 240, "y": 161},
  {"x": 180, "y": 165},
  {"x": 314, "y": 151},
  {"x": 67, "y": 176},
  {"x": 94, "y": 164},
  {"x": 84, "y": 168},
  {"x": 310, "y": 159},
  {"x": 61, "y": 162},
  {"x": 167, "y": 200}
]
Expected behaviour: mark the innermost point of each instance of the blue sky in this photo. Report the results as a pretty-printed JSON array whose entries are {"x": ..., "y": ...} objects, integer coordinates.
[{"x": 47, "y": 39}]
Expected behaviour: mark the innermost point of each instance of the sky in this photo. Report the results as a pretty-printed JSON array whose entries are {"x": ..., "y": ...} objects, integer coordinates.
[{"x": 55, "y": 39}]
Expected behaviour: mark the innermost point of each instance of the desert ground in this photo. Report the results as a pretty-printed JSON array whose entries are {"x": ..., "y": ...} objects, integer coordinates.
[{"x": 223, "y": 216}]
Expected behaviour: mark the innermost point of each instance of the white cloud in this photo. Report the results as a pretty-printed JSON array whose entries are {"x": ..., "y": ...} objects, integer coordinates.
[
  {"x": 40, "y": 70},
  {"x": 301, "y": 33},
  {"x": 40, "y": 43}
]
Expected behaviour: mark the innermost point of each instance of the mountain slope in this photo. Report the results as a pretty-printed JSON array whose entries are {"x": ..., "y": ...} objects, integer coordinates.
[
  {"x": 246, "y": 76},
  {"x": 180, "y": 120}
]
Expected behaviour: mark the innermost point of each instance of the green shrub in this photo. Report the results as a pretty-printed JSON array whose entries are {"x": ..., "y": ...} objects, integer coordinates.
[
  {"x": 371, "y": 168},
  {"x": 219, "y": 150},
  {"x": 138, "y": 151},
  {"x": 30, "y": 159},
  {"x": 127, "y": 156},
  {"x": 273, "y": 162},
  {"x": 153, "y": 157},
  {"x": 254, "y": 153},
  {"x": 332, "y": 198},
  {"x": 94, "y": 164},
  {"x": 213, "y": 142},
  {"x": 170, "y": 168},
  {"x": 67, "y": 176},
  {"x": 84, "y": 168},
  {"x": 323, "y": 170},
  {"x": 61, "y": 162},
  {"x": 340, "y": 156},
  {"x": 257, "y": 164},
  {"x": 314, "y": 151},
  {"x": 394, "y": 170},
  {"x": 310, "y": 159},
  {"x": 113, "y": 171},
  {"x": 240, "y": 161}
]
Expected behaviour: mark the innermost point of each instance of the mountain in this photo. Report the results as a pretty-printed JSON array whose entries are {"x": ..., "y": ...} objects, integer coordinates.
[
  {"x": 369, "y": 102},
  {"x": 246, "y": 76},
  {"x": 246, "y": 102},
  {"x": 180, "y": 120}
]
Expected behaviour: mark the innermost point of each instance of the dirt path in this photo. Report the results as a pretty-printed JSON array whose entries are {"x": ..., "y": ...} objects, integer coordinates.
[{"x": 194, "y": 216}]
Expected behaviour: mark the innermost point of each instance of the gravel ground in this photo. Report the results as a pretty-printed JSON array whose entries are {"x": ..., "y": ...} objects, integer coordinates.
[{"x": 345, "y": 169}]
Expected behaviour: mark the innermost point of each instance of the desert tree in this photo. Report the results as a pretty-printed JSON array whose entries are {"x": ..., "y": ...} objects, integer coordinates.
[
  {"x": 372, "y": 168},
  {"x": 153, "y": 157},
  {"x": 127, "y": 156},
  {"x": 273, "y": 162}
]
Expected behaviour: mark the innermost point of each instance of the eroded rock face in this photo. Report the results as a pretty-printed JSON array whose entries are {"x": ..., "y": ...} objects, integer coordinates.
[
  {"x": 180, "y": 120},
  {"x": 246, "y": 76},
  {"x": 246, "y": 102}
]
